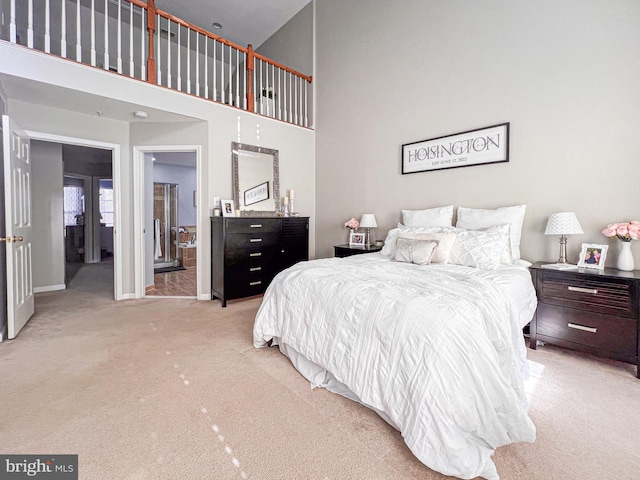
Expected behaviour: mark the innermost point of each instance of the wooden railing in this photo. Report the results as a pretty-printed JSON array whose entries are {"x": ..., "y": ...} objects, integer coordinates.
[{"x": 134, "y": 38}]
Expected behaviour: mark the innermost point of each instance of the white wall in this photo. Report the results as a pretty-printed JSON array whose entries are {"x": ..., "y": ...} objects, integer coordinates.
[
  {"x": 48, "y": 216},
  {"x": 564, "y": 73}
]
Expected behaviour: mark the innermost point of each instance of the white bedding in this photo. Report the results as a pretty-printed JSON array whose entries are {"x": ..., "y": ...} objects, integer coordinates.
[{"x": 437, "y": 350}]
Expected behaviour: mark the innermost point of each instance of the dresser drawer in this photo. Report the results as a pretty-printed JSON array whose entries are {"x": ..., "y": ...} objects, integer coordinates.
[
  {"x": 588, "y": 293},
  {"x": 603, "y": 332},
  {"x": 240, "y": 241},
  {"x": 249, "y": 225}
]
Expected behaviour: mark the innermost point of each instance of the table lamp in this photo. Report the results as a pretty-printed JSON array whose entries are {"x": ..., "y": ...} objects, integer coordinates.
[
  {"x": 368, "y": 221},
  {"x": 563, "y": 224}
]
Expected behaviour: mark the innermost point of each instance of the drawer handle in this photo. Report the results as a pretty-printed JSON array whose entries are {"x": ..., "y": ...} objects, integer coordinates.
[
  {"x": 254, "y": 240},
  {"x": 255, "y": 269},
  {"x": 583, "y": 290},
  {"x": 259, "y": 254},
  {"x": 255, "y": 283},
  {"x": 582, "y": 327},
  {"x": 257, "y": 225}
]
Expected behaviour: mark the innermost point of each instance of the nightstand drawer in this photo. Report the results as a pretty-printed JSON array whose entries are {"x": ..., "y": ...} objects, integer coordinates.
[
  {"x": 604, "y": 332},
  {"x": 587, "y": 293}
]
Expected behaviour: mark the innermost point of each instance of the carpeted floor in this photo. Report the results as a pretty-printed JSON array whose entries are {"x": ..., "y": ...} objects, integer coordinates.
[{"x": 173, "y": 389}]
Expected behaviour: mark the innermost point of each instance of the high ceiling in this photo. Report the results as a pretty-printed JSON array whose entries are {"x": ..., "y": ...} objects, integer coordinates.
[{"x": 243, "y": 21}]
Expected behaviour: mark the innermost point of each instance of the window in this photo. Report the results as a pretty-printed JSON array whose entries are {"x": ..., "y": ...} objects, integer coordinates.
[
  {"x": 106, "y": 202},
  {"x": 73, "y": 204}
]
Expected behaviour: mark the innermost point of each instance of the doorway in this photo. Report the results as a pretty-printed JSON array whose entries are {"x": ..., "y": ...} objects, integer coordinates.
[{"x": 171, "y": 223}]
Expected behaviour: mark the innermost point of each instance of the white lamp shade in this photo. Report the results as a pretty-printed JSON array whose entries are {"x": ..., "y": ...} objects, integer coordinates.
[
  {"x": 563, "y": 223},
  {"x": 368, "y": 220}
]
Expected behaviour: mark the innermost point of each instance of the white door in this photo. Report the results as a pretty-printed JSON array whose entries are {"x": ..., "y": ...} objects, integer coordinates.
[{"x": 17, "y": 192}]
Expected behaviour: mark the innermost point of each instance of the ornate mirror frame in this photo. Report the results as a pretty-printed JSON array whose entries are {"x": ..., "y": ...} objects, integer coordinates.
[{"x": 236, "y": 158}]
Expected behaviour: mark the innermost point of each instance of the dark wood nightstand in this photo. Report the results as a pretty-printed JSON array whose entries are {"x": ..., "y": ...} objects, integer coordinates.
[
  {"x": 347, "y": 250},
  {"x": 588, "y": 310}
]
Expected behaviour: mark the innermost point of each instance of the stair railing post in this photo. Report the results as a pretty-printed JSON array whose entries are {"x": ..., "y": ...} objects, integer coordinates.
[
  {"x": 151, "y": 28},
  {"x": 250, "y": 62}
]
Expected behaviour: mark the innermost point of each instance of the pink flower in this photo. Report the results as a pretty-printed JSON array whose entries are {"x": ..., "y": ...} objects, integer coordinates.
[
  {"x": 625, "y": 231},
  {"x": 352, "y": 223}
]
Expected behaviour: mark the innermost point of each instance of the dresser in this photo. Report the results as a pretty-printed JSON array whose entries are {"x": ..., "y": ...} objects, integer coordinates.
[
  {"x": 588, "y": 310},
  {"x": 247, "y": 252}
]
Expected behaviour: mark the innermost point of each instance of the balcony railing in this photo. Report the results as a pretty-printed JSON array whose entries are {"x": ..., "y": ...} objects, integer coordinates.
[{"x": 134, "y": 38}]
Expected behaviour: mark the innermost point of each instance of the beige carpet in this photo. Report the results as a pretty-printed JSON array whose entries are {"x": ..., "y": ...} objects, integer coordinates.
[{"x": 173, "y": 389}]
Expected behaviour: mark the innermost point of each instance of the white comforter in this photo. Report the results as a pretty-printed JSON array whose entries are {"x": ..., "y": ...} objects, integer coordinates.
[{"x": 437, "y": 349}]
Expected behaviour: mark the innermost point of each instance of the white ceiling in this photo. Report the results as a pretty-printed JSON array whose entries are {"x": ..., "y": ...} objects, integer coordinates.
[{"x": 243, "y": 21}]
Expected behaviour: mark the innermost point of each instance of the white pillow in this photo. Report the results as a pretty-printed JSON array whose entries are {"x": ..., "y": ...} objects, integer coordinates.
[
  {"x": 479, "y": 249},
  {"x": 476, "y": 218},
  {"x": 414, "y": 250},
  {"x": 445, "y": 243},
  {"x": 390, "y": 242},
  {"x": 431, "y": 217},
  {"x": 506, "y": 257}
]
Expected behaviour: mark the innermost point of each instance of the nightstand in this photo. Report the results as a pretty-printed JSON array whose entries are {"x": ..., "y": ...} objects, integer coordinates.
[
  {"x": 588, "y": 310},
  {"x": 347, "y": 250}
]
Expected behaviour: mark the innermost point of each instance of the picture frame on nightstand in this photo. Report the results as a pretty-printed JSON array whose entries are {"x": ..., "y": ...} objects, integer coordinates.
[
  {"x": 356, "y": 239},
  {"x": 593, "y": 255}
]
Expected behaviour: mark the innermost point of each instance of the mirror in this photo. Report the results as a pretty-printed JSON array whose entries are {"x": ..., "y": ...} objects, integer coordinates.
[{"x": 256, "y": 179}]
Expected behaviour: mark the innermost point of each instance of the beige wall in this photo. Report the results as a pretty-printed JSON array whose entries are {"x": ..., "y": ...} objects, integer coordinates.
[{"x": 564, "y": 73}]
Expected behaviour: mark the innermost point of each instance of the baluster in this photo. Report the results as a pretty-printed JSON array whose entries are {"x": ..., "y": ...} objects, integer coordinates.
[
  {"x": 30, "y": 25},
  {"x": 261, "y": 88},
  {"x": 47, "y": 27},
  {"x": 255, "y": 86},
  {"x": 106, "y": 35},
  {"x": 119, "y": 36},
  {"x": 244, "y": 78},
  {"x": 285, "y": 96},
  {"x": 237, "y": 78},
  {"x": 78, "y": 33},
  {"x": 198, "y": 64},
  {"x": 63, "y": 33},
  {"x": 206, "y": 67},
  {"x": 179, "y": 48},
  {"x": 143, "y": 70},
  {"x": 188, "y": 60},
  {"x": 296, "y": 80},
  {"x": 306, "y": 99},
  {"x": 159, "y": 52},
  {"x": 93, "y": 33},
  {"x": 273, "y": 90},
  {"x": 279, "y": 95},
  {"x": 131, "y": 64},
  {"x": 222, "y": 96},
  {"x": 215, "y": 92},
  {"x": 169, "y": 55},
  {"x": 230, "y": 96},
  {"x": 13, "y": 35}
]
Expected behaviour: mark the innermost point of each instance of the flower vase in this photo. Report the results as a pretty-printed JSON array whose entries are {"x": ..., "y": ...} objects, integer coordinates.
[{"x": 625, "y": 257}]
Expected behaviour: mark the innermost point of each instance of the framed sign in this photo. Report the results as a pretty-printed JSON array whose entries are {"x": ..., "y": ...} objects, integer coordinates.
[
  {"x": 474, "y": 147},
  {"x": 256, "y": 194}
]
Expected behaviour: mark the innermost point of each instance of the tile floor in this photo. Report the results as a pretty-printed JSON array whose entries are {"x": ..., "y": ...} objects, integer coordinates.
[{"x": 177, "y": 284}]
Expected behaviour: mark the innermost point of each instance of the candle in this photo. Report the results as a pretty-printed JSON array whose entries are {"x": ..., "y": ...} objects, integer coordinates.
[
  {"x": 286, "y": 200},
  {"x": 291, "y": 194}
]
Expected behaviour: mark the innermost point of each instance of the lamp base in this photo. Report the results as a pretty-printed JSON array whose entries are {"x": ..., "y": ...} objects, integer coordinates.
[{"x": 563, "y": 250}]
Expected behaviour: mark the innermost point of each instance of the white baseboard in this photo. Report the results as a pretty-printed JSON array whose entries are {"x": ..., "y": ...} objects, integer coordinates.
[
  {"x": 49, "y": 288},
  {"x": 204, "y": 296}
]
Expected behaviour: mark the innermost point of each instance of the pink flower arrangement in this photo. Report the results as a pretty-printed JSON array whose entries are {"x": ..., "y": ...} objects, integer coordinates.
[
  {"x": 625, "y": 231},
  {"x": 352, "y": 223}
]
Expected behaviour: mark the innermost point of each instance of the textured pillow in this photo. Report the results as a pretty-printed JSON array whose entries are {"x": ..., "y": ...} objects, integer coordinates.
[
  {"x": 445, "y": 242},
  {"x": 431, "y": 217},
  {"x": 506, "y": 257},
  {"x": 479, "y": 249},
  {"x": 476, "y": 218},
  {"x": 390, "y": 242},
  {"x": 415, "y": 251}
]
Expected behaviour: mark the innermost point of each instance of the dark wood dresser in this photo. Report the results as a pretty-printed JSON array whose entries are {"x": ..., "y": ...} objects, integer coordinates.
[
  {"x": 593, "y": 311},
  {"x": 247, "y": 252}
]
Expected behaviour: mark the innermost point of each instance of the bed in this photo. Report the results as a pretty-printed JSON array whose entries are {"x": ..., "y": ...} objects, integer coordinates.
[{"x": 436, "y": 349}]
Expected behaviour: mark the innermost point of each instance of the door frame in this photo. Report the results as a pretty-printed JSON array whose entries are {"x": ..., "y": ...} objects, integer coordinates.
[
  {"x": 116, "y": 168},
  {"x": 139, "y": 214}
]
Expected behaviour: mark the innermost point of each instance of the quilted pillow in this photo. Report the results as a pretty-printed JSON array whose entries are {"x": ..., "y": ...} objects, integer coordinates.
[
  {"x": 415, "y": 251},
  {"x": 445, "y": 242},
  {"x": 430, "y": 217},
  {"x": 390, "y": 242},
  {"x": 479, "y": 249},
  {"x": 476, "y": 218}
]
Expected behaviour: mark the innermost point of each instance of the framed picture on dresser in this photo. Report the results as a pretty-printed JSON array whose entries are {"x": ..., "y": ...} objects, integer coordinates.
[
  {"x": 593, "y": 255},
  {"x": 228, "y": 208}
]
